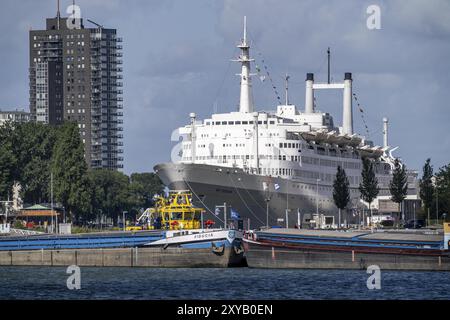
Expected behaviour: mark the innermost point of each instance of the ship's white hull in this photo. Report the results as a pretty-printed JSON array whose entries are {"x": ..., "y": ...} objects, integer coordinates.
[
  {"x": 198, "y": 238},
  {"x": 245, "y": 193}
]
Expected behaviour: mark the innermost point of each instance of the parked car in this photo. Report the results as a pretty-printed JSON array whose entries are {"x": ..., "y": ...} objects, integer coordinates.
[
  {"x": 387, "y": 223},
  {"x": 414, "y": 224}
]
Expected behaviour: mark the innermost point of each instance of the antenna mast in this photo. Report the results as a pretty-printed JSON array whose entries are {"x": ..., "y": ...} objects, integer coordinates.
[
  {"x": 328, "y": 53},
  {"x": 58, "y": 15},
  {"x": 287, "y": 88}
]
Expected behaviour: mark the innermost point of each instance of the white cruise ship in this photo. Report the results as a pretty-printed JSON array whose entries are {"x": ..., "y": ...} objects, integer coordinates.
[{"x": 282, "y": 162}]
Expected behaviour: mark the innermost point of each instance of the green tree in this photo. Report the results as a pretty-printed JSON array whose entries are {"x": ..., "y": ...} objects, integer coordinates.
[
  {"x": 143, "y": 186},
  {"x": 426, "y": 187},
  {"x": 8, "y": 160},
  {"x": 399, "y": 184},
  {"x": 341, "y": 191},
  {"x": 33, "y": 145},
  {"x": 442, "y": 191},
  {"x": 71, "y": 184},
  {"x": 369, "y": 184},
  {"x": 111, "y": 193}
]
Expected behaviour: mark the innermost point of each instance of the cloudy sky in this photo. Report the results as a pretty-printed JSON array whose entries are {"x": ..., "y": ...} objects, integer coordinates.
[{"x": 176, "y": 61}]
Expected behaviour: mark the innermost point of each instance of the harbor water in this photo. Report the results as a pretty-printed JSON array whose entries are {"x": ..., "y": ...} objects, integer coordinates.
[{"x": 48, "y": 283}]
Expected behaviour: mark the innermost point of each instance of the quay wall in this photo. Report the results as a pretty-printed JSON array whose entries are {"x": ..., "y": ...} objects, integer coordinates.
[
  {"x": 272, "y": 257},
  {"x": 122, "y": 257}
]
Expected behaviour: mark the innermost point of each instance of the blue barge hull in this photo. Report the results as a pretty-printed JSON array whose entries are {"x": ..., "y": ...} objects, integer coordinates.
[{"x": 81, "y": 241}]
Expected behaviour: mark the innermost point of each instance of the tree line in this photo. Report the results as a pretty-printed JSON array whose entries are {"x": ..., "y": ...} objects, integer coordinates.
[
  {"x": 434, "y": 190},
  {"x": 30, "y": 153}
]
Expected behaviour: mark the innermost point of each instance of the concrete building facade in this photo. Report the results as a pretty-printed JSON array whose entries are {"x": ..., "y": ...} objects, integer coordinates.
[
  {"x": 75, "y": 75},
  {"x": 14, "y": 116}
]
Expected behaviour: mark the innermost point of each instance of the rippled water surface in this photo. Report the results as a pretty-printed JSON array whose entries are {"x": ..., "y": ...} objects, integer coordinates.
[{"x": 141, "y": 283}]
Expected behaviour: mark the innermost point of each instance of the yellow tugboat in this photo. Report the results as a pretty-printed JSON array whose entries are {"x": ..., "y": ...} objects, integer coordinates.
[{"x": 176, "y": 212}]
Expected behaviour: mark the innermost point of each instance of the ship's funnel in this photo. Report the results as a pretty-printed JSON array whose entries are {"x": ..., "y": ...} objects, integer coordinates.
[
  {"x": 347, "y": 121},
  {"x": 385, "y": 132},
  {"x": 309, "y": 94}
]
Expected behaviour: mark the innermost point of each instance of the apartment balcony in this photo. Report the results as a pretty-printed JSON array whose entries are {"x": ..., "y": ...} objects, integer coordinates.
[
  {"x": 115, "y": 122},
  {"x": 118, "y": 143},
  {"x": 114, "y": 158}
]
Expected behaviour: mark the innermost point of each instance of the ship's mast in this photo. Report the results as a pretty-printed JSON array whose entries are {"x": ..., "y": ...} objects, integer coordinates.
[
  {"x": 246, "y": 99},
  {"x": 385, "y": 132},
  {"x": 58, "y": 16},
  {"x": 286, "y": 88},
  {"x": 329, "y": 57}
]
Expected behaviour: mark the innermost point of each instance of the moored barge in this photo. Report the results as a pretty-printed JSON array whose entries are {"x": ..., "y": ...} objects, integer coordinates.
[{"x": 314, "y": 249}]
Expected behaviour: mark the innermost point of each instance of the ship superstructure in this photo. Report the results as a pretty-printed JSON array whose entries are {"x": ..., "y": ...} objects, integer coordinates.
[{"x": 280, "y": 161}]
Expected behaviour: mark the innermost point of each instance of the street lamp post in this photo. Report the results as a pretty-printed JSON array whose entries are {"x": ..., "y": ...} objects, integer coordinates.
[
  {"x": 267, "y": 205},
  {"x": 224, "y": 214},
  {"x": 51, "y": 199},
  {"x": 317, "y": 200},
  {"x": 123, "y": 220},
  {"x": 202, "y": 224},
  {"x": 287, "y": 217},
  {"x": 437, "y": 205},
  {"x": 359, "y": 218}
]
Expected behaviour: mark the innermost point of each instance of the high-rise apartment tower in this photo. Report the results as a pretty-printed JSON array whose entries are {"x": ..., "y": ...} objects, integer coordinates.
[{"x": 76, "y": 75}]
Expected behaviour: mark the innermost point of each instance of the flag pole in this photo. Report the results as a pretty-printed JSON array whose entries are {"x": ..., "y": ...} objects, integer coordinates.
[{"x": 225, "y": 215}]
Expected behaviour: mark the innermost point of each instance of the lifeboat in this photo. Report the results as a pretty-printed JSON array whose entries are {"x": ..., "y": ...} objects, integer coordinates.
[{"x": 371, "y": 152}]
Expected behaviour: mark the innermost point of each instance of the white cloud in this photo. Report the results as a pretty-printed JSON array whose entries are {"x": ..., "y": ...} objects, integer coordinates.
[{"x": 176, "y": 61}]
